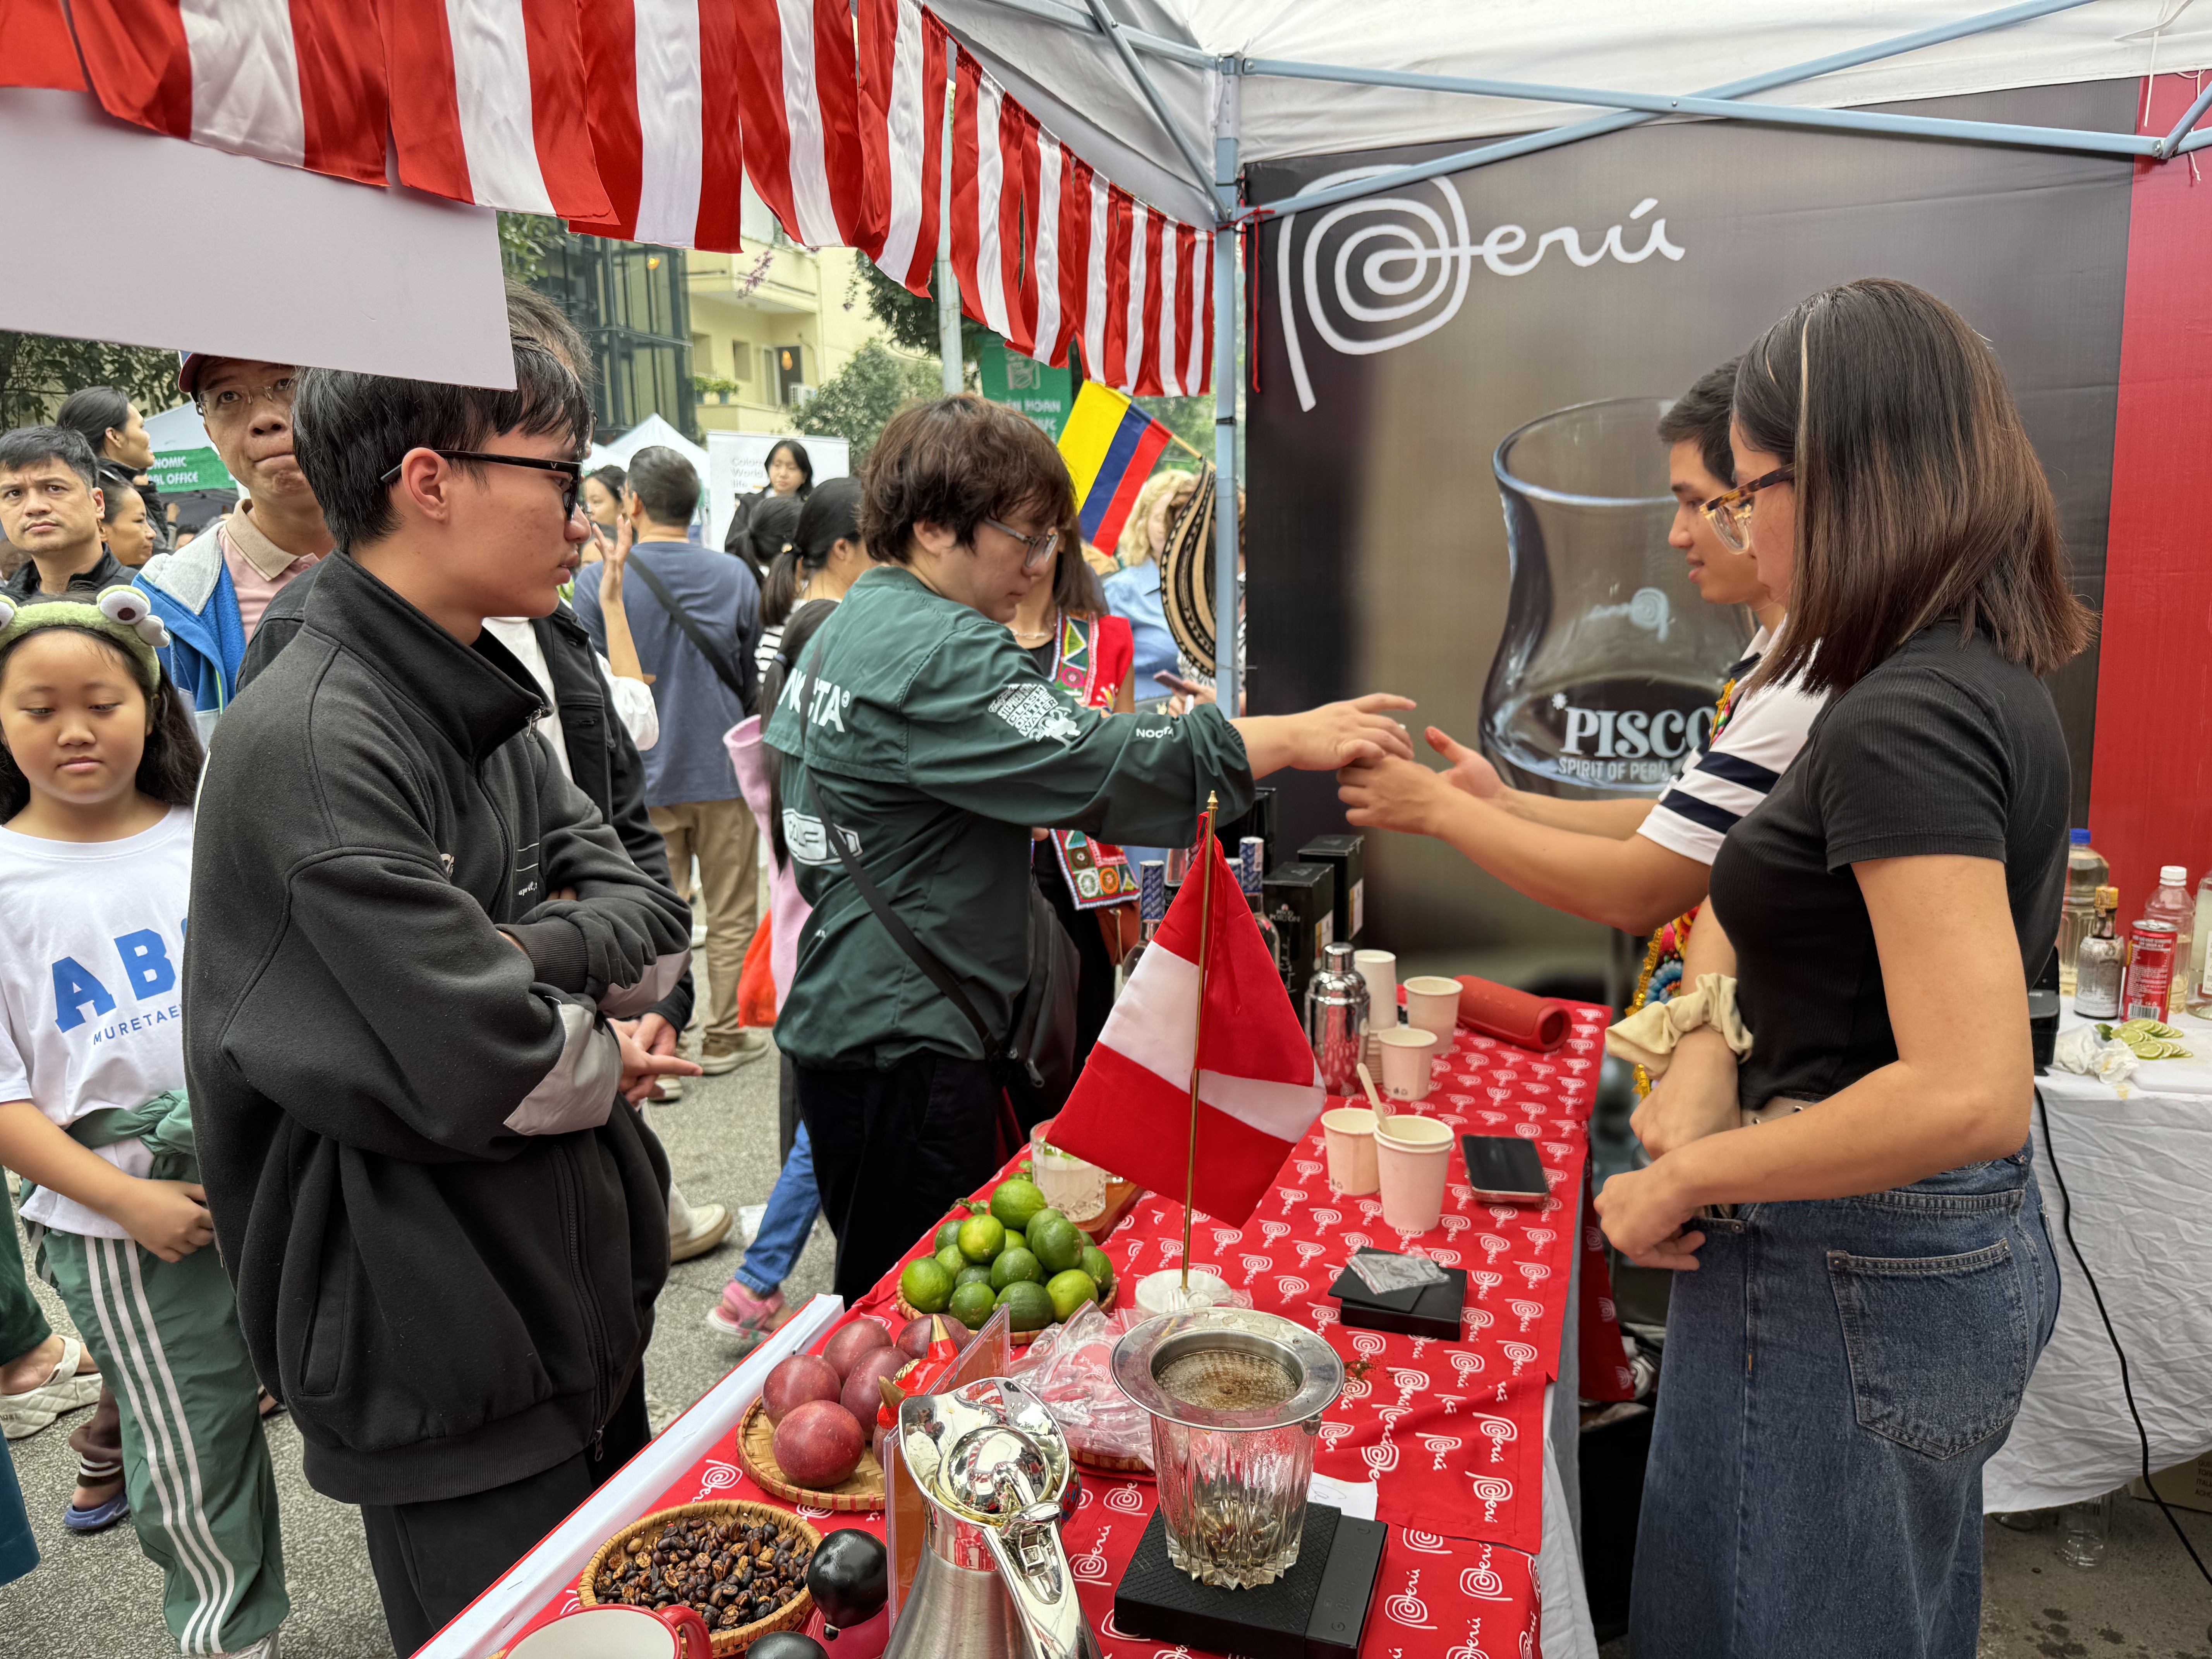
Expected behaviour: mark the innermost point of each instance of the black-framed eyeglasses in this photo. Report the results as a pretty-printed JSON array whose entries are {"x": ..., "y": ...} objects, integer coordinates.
[
  {"x": 572, "y": 472},
  {"x": 1039, "y": 547},
  {"x": 1730, "y": 514}
]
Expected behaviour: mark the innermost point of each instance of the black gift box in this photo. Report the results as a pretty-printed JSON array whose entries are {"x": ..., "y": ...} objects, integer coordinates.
[
  {"x": 1314, "y": 1611},
  {"x": 1301, "y": 900},
  {"x": 1432, "y": 1310},
  {"x": 1347, "y": 856}
]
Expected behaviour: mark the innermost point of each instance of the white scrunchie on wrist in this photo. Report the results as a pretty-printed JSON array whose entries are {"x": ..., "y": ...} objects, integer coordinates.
[{"x": 1647, "y": 1037}]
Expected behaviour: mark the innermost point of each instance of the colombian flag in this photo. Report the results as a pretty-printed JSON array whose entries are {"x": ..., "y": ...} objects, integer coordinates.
[{"x": 1110, "y": 445}]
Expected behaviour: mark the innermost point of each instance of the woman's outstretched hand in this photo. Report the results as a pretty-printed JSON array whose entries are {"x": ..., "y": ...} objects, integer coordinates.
[{"x": 1336, "y": 734}]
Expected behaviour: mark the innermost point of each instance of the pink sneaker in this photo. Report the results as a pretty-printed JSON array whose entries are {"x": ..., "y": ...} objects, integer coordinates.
[{"x": 746, "y": 1316}]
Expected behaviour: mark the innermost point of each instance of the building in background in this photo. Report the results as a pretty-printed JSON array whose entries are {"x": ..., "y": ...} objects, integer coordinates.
[
  {"x": 630, "y": 300},
  {"x": 771, "y": 322}
]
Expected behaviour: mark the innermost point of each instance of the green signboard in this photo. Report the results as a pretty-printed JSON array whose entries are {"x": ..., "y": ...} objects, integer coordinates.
[
  {"x": 1041, "y": 392},
  {"x": 184, "y": 469}
]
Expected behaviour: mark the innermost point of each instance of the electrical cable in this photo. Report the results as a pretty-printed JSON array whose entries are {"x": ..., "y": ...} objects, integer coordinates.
[{"x": 2143, "y": 1435}]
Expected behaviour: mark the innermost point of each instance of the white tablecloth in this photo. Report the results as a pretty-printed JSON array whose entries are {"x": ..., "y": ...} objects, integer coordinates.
[{"x": 2139, "y": 1172}]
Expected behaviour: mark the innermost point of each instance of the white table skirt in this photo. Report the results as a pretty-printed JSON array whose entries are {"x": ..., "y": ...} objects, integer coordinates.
[{"x": 2139, "y": 1171}]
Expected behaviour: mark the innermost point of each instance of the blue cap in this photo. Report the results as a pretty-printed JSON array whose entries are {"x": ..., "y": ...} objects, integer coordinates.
[{"x": 2079, "y": 837}]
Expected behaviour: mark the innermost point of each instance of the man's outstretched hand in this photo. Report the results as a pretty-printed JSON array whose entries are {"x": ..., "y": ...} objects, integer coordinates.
[
  {"x": 1336, "y": 734},
  {"x": 1470, "y": 773}
]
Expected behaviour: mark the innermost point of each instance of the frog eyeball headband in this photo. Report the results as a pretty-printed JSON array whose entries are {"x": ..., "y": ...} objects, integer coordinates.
[{"x": 120, "y": 614}]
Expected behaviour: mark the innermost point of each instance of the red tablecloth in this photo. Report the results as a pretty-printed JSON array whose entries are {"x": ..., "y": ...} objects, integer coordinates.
[{"x": 1452, "y": 1432}]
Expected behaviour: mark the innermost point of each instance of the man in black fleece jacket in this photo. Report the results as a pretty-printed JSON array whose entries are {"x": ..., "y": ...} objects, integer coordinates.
[{"x": 445, "y": 1231}]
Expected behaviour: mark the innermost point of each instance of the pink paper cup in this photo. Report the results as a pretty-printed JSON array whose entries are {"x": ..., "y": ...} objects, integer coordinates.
[
  {"x": 1411, "y": 1156},
  {"x": 1349, "y": 1133}
]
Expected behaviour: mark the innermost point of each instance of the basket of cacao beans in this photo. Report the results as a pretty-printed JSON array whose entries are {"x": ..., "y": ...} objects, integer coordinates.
[{"x": 741, "y": 1566}]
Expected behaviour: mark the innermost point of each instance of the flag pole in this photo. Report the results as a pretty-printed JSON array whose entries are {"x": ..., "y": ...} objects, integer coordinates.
[{"x": 1197, "y": 1030}]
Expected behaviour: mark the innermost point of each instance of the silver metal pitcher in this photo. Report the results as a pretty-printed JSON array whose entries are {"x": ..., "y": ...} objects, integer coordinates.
[
  {"x": 993, "y": 1583},
  {"x": 1336, "y": 1020}
]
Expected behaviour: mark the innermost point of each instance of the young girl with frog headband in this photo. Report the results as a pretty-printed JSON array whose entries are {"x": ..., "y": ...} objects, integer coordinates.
[{"x": 98, "y": 765}]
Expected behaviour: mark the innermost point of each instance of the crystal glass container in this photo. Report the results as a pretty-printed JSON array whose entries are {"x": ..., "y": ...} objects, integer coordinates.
[
  {"x": 1236, "y": 1398},
  {"x": 1607, "y": 672},
  {"x": 1077, "y": 1189}
]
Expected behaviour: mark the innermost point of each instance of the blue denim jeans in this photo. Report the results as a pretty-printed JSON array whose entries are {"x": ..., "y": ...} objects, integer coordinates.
[
  {"x": 1837, "y": 1373},
  {"x": 792, "y": 1207}
]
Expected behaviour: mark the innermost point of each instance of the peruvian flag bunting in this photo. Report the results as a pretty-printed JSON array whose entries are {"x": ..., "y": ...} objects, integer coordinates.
[
  {"x": 902, "y": 79},
  {"x": 800, "y": 96},
  {"x": 1259, "y": 1089},
  {"x": 991, "y": 142},
  {"x": 661, "y": 92},
  {"x": 484, "y": 111}
]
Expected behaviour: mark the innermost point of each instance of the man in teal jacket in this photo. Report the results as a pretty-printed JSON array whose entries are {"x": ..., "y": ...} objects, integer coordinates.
[
  {"x": 210, "y": 593},
  {"x": 916, "y": 725}
]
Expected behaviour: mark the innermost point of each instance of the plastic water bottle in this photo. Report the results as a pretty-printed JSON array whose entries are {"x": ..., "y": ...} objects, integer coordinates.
[
  {"x": 2086, "y": 872},
  {"x": 2173, "y": 902},
  {"x": 2200, "y": 987}
]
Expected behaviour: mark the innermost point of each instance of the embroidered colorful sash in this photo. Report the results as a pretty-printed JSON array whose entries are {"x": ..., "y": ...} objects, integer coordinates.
[{"x": 1098, "y": 874}]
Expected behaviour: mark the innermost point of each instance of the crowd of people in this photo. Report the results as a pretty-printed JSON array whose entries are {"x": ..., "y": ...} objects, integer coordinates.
[{"x": 453, "y": 753}]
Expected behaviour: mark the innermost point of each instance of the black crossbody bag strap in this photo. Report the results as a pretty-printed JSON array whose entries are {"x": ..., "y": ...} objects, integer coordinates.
[
  {"x": 692, "y": 632},
  {"x": 938, "y": 974}
]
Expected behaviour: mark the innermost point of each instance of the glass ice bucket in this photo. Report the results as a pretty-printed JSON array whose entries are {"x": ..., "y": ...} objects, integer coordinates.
[
  {"x": 1606, "y": 676},
  {"x": 1236, "y": 1398}
]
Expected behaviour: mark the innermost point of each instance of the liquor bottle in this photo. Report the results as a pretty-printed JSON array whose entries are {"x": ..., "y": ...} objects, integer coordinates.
[
  {"x": 1251, "y": 872},
  {"x": 2171, "y": 902},
  {"x": 2103, "y": 959},
  {"x": 2087, "y": 872},
  {"x": 2200, "y": 981},
  {"x": 1151, "y": 910}
]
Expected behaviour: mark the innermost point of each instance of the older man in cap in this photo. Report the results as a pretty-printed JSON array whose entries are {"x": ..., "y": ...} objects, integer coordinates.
[{"x": 211, "y": 594}]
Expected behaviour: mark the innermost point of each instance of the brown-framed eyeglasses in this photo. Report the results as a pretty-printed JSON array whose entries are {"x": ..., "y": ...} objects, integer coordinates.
[{"x": 1730, "y": 514}]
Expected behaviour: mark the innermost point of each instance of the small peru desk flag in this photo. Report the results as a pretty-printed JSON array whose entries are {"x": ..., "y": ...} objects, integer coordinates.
[{"x": 1259, "y": 1089}]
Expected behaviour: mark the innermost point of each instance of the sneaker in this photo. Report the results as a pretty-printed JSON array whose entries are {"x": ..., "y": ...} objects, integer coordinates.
[
  {"x": 715, "y": 1057},
  {"x": 265, "y": 1649},
  {"x": 746, "y": 1316},
  {"x": 710, "y": 1225},
  {"x": 671, "y": 1091},
  {"x": 64, "y": 1391}
]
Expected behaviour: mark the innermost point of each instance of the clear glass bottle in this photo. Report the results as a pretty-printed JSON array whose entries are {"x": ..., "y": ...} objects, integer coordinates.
[
  {"x": 2104, "y": 957},
  {"x": 2200, "y": 983},
  {"x": 2087, "y": 1526},
  {"x": 2172, "y": 901},
  {"x": 1151, "y": 910},
  {"x": 2086, "y": 872},
  {"x": 1251, "y": 872}
]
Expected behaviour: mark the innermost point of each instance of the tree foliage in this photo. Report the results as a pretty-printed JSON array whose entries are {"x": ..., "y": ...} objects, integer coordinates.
[
  {"x": 37, "y": 370},
  {"x": 526, "y": 241},
  {"x": 856, "y": 402}
]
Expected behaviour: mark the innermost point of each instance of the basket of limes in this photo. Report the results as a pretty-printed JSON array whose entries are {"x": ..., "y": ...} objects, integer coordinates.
[{"x": 1014, "y": 1251}]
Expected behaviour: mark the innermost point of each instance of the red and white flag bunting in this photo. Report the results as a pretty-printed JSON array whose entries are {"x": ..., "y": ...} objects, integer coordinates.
[
  {"x": 684, "y": 99},
  {"x": 901, "y": 83},
  {"x": 296, "y": 81},
  {"x": 662, "y": 97},
  {"x": 1259, "y": 1089},
  {"x": 484, "y": 96},
  {"x": 801, "y": 102}
]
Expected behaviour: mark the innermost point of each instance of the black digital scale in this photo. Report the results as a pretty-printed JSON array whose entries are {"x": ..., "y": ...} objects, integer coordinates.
[{"x": 1314, "y": 1611}]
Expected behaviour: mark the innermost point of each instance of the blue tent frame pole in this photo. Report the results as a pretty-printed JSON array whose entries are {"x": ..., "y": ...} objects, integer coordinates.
[
  {"x": 1228, "y": 614},
  {"x": 2173, "y": 144},
  {"x": 1530, "y": 143},
  {"x": 1112, "y": 30}
]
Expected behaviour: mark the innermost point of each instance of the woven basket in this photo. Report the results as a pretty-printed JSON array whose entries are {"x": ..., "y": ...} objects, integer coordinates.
[
  {"x": 1121, "y": 1469},
  {"x": 860, "y": 1491},
  {"x": 790, "y": 1616}
]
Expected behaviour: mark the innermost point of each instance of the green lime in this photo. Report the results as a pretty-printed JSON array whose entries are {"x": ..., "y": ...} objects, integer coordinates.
[
  {"x": 1028, "y": 1305},
  {"x": 950, "y": 1259},
  {"x": 1058, "y": 1244},
  {"x": 1070, "y": 1290},
  {"x": 1015, "y": 1241},
  {"x": 926, "y": 1286},
  {"x": 982, "y": 1238},
  {"x": 971, "y": 1305},
  {"x": 1046, "y": 1214},
  {"x": 1015, "y": 1199},
  {"x": 1014, "y": 1265},
  {"x": 1097, "y": 1263},
  {"x": 948, "y": 1235},
  {"x": 973, "y": 1273}
]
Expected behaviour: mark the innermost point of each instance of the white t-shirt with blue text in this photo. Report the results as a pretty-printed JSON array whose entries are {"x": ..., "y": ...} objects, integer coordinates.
[{"x": 91, "y": 985}]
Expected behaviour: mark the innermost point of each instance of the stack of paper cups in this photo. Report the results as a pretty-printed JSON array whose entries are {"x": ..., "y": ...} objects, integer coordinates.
[
  {"x": 1411, "y": 1156},
  {"x": 1380, "y": 969}
]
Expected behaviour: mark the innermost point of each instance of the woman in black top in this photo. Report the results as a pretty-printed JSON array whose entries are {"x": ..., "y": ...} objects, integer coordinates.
[{"x": 1873, "y": 1279}]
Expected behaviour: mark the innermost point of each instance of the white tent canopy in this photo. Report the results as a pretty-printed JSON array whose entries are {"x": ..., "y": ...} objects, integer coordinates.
[
  {"x": 1073, "y": 78},
  {"x": 647, "y": 433}
]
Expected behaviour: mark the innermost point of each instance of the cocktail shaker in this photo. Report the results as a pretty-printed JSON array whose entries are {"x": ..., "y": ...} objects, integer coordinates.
[{"x": 1336, "y": 1020}]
